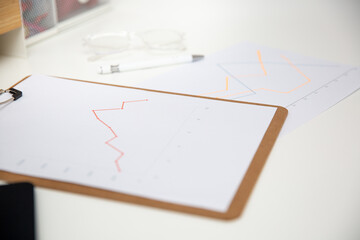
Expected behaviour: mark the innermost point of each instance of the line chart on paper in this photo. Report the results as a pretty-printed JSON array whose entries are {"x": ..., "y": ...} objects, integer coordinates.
[
  {"x": 258, "y": 78},
  {"x": 253, "y": 73},
  {"x": 141, "y": 143},
  {"x": 114, "y": 134}
]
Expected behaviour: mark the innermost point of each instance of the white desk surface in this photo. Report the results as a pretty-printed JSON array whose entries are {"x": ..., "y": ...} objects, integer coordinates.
[{"x": 310, "y": 185}]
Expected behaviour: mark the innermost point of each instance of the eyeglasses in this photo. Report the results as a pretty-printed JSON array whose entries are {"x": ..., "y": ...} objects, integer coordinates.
[{"x": 103, "y": 44}]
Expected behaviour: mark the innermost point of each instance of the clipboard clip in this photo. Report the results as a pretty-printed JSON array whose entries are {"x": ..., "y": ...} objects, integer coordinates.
[{"x": 15, "y": 94}]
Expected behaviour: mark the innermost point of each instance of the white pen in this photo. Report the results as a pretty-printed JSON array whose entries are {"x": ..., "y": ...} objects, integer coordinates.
[{"x": 104, "y": 69}]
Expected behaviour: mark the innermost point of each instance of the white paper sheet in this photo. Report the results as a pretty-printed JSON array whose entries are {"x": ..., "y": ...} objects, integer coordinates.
[
  {"x": 179, "y": 149},
  {"x": 254, "y": 73}
]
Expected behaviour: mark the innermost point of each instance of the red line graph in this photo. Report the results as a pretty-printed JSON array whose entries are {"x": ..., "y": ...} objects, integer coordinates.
[{"x": 121, "y": 153}]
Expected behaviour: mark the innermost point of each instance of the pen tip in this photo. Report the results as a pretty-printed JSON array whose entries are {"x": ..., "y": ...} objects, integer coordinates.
[{"x": 197, "y": 57}]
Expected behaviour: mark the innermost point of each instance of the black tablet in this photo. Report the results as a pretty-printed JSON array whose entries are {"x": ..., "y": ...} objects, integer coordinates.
[{"x": 17, "y": 218}]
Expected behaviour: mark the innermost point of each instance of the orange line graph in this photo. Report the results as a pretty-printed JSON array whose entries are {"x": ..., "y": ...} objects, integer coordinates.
[
  {"x": 262, "y": 68},
  {"x": 224, "y": 90},
  {"x": 308, "y": 80},
  {"x": 261, "y": 63},
  {"x": 121, "y": 153}
]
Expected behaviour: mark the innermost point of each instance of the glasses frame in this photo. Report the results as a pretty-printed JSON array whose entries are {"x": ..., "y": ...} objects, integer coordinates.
[{"x": 134, "y": 41}]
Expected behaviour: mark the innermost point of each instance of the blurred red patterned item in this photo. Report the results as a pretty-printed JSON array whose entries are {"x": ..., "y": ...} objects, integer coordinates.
[
  {"x": 37, "y": 16},
  {"x": 69, "y": 8}
]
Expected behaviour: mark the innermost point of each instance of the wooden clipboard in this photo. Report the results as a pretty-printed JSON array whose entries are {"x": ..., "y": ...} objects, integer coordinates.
[{"x": 238, "y": 202}]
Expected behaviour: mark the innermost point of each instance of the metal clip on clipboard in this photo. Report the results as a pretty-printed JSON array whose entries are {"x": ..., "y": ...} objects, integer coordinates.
[{"x": 15, "y": 95}]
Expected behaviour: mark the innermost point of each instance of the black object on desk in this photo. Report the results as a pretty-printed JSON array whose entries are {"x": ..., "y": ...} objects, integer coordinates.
[{"x": 17, "y": 218}]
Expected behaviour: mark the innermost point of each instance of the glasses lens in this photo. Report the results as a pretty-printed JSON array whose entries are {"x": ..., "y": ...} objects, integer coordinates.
[
  {"x": 163, "y": 39},
  {"x": 106, "y": 43}
]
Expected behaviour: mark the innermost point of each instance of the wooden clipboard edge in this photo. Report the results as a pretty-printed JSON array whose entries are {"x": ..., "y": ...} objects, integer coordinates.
[
  {"x": 253, "y": 172},
  {"x": 239, "y": 201},
  {"x": 158, "y": 91}
]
